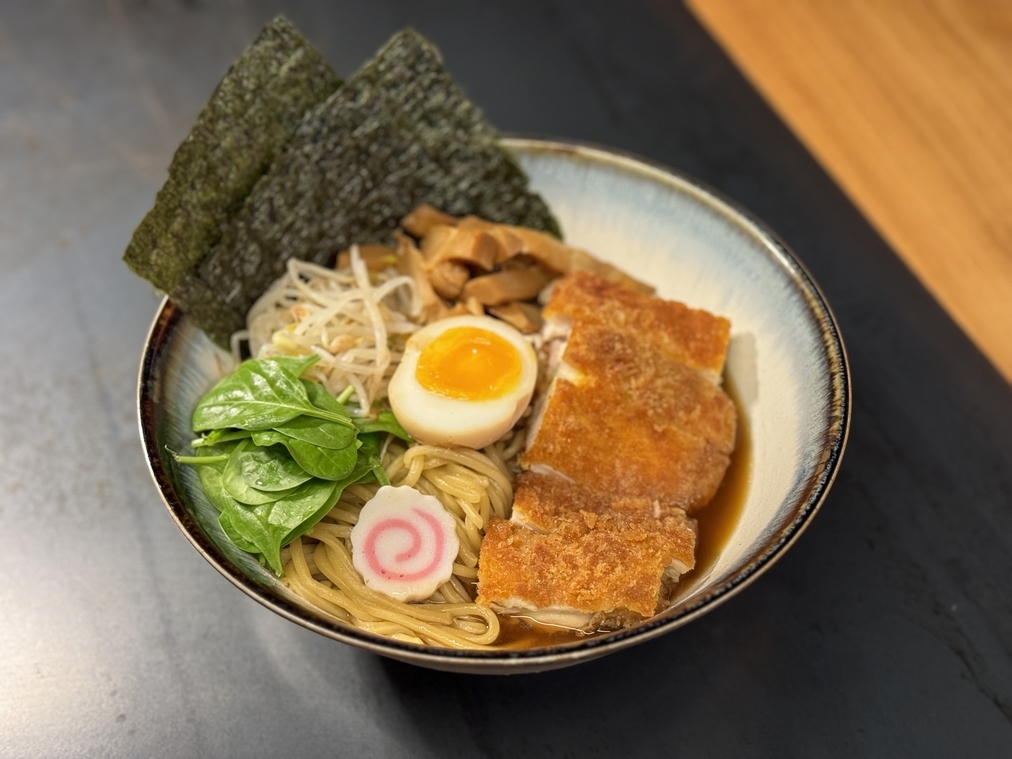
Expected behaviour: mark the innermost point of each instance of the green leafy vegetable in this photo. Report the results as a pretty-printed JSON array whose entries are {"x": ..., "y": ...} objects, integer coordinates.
[
  {"x": 369, "y": 457},
  {"x": 216, "y": 437},
  {"x": 385, "y": 421},
  {"x": 201, "y": 460},
  {"x": 258, "y": 395},
  {"x": 295, "y": 508},
  {"x": 237, "y": 486},
  {"x": 271, "y": 469},
  {"x": 320, "y": 398},
  {"x": 241, "y": 524},
  {"x": 225, "y": 520},
  {"x": 300, "y": 448},
  {"x": 252, "y": 524},
  {"x": 266, "y": 438},
  {"x": 295, "y": 365},
  {"x": 318, "y": 432},
  {"x": 210, "y": 481},
  {"x": 266, "y": 527},
  {"x": 208, "y": 456},
  {"x": 273, "y": 525},
  {"x": 325, "y": 463},
  {"x": 339, "y": 487}
]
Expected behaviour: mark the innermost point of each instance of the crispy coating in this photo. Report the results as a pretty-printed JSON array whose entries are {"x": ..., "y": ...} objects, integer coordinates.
[
  {"x": 630, "y": 419},
  {"x": 593, "y": 563},
  {"x": 693, "y": 337},
  {"x": 540, "y": 498},
  {"x": 634, "y": 433}
]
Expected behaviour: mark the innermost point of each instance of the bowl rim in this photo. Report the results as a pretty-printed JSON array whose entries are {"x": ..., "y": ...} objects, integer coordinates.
[{"x": 816, "y": 484}]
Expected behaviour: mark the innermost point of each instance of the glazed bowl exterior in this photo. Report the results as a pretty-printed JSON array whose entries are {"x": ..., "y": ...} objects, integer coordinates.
[{"x": 786, "y": 362}]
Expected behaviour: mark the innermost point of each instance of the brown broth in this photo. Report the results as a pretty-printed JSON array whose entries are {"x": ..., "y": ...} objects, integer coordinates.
[
  {"x": 715, "y": 524},
  {"x": 717, "y": 520}
]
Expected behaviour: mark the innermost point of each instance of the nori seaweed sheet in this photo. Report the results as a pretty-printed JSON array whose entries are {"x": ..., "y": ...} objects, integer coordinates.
[
  {"x": 396, "y": 134},
  {"x": 251, "y": 114}
]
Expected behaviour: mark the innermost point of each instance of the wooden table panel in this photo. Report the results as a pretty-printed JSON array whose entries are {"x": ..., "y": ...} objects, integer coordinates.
[{"x": 908, "y": 105}]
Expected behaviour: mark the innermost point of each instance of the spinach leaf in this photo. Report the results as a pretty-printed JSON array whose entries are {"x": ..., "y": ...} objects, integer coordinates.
[
  {"x": 225, "y": 520},
  {"x": 318, "y": 432},
  {"x": 269, "y": 437},
  {"x": 294, "y": 509},
  {"x": 270, "y": 469},
  {"x": 357, "y": 475},
  {"x": 295, "y": 365},
  {"x": 325, "y": 463},
  {"x": 258, "y": 395},
  {"x": 242, "y": 525},
  {"x": 320, "y": 398},
  {"x": 208, "y": 455},
  {"x": 236, "y": 485},
  {"x": 200, "y": 460},
  {"x": 265, "y": 528},
  {"x": 325, "y": 434},
  {"x": 268, "y": 495},
  {"x": 217, "y": 437},
  {"x": 385, "y": 421},
  {"x": 251, "y": 524},
  {"x": 210, "y": 481},
  {"x": 271, "y": 526},
  {"x": 310, "y": 523},
  {"x": 369, "y": 458}
]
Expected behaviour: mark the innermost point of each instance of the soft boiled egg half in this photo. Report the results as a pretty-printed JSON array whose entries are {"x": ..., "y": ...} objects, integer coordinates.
[{"x": 464, "y": 380}]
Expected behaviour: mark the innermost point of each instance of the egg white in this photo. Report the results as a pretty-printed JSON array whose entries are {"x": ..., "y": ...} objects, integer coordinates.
[{"x": 437, "y": 420}]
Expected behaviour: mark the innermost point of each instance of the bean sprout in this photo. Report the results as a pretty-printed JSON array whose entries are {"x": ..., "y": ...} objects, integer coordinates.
[{"x": 356, "y": 321}]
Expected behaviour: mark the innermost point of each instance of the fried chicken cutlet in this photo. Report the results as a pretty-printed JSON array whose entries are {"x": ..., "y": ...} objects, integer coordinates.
[
  {"x": 634, "y": 406},
  {"x": 632, "y": 432}
]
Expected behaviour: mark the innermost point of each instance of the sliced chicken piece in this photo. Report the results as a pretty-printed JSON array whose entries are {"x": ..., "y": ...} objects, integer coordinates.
[
  {"x": 589, "y": 571},
  {"x": 690, "y": 336},
  {"x": 622, "y": 417},
  {"x": 541, "y": 497}
]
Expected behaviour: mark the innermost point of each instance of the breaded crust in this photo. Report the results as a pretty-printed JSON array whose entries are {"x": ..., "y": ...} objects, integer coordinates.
[
  {"x": 634, "y": 433},
  {"x": 633, "y": 420},
  {"x": 593, "y": 563},
  {"x": 539, "y": 498},
  {"x": 693, "y": 337}
]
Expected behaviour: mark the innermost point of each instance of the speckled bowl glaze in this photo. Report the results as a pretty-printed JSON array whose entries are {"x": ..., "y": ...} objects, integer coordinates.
[{"x": 786, "y": 362}]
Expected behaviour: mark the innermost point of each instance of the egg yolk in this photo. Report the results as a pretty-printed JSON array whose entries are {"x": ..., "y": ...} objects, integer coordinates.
[{"x": 469, "y": 363}]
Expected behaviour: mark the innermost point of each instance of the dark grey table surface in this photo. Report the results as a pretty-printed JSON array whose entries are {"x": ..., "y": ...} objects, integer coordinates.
[{"x": 886, "y": 631}]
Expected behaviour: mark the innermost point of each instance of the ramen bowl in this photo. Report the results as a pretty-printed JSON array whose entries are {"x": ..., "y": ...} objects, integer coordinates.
[{"x": 786, "y": 369}]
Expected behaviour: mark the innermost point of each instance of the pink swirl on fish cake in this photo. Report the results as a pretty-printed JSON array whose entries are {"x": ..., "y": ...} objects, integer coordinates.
[
  {"x": 411, "y": 571},
  {"x": 369, "y": 549}
]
